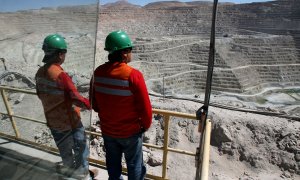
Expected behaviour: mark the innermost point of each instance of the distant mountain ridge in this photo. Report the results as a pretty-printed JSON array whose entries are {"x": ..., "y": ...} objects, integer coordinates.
[
  {"x": 177, "y": 3},
  {"x": 160, "y": 4},
  {"x": 120, "y": 3},
  {"x": 125, "y": 3}
]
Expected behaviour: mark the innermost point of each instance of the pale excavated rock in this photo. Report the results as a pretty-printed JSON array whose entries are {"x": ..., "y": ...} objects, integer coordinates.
[
  {"x": 257, "y": 54},
  {"x": 154, "y": 160}
]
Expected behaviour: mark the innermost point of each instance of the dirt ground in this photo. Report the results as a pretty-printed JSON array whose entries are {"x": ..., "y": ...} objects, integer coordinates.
[{"x": 244, "y": 146}]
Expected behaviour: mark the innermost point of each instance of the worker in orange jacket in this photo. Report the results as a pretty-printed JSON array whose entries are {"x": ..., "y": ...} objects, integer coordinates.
[
  {"x": 62, "y": 102},
  {"x": 119, "y": 94}
]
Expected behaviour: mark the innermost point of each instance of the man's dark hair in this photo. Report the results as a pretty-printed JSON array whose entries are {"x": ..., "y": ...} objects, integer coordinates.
[
  {"x": 117, "y": 55},
  {"x": 52, "y": 58}
]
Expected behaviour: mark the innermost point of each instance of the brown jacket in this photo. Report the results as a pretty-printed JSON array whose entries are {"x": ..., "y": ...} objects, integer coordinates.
[{"x": 60, "y": 98}]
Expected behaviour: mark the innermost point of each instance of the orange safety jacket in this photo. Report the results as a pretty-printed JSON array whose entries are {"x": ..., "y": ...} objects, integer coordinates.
[
  {"x": 119, "y": 94},
  {"x": 60, "y": 98}
]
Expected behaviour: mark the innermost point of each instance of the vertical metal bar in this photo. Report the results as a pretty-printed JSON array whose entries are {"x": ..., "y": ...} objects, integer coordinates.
[
  {"x": 206, "y": 149},
  {"x": 91, "y": 91},
  {"x": 166, "y": 143},
  {"x": 3, "y": 60},
  {"x": 204, "y": 109},
  {"x": 163, "y": 88},
  {"x": 9, "y": 112}
]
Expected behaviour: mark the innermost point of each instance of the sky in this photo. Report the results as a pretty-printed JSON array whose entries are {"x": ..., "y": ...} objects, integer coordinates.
[
  {"x": 144, "y": 2},
  {"x": 14, "y": 5}
]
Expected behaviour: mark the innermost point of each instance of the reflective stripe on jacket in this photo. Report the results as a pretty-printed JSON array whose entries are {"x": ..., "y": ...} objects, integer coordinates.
[
  {"x": 120, "y": 97},
  {"x": 60, "y": 98}
]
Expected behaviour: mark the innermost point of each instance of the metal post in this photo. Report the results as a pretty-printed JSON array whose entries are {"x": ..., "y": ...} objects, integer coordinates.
[
  {"x": 163, "y": 88},
  {"x": 3, "y": 60},
  {"x": 9, "y": 112},
  {"x": 206, "y": 149},
  {"x": 166, "y": 143},
  {"x": 203, "y": 111}
]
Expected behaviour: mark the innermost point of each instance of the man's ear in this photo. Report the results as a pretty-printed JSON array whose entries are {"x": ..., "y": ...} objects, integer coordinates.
[
  {"x": 124, "y": 55},
  {"x": 60, "y": 54}
]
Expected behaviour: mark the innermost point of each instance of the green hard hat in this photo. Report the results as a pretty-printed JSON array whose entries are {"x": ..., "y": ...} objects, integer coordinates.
[
  {"x": 51, "y": 44},
  {"x": 54, "y": 42},
  {"x": 117, "y": 40}
]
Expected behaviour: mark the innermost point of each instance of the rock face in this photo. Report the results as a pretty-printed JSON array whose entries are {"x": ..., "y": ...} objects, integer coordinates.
[
  {"x": 257, "y": 45},
  {"x": 22, "y": 34},
  {"x": 256, "y": 48},
  {"x": 257, "y": 62},
  {"x": 268, "y": 145}
]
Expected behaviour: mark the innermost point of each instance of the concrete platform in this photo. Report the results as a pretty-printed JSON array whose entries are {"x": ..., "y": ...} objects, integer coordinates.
[{"x": 18, "y": 162}]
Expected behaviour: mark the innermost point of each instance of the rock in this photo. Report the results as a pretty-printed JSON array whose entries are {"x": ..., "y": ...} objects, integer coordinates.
[
  {"x": 95, "y": 142},
  {"x": 275, "y": 158},
  {"x": 286, "y": 174},
  {"x": 10, "y": 78},
  {"x": 158, "y": 116},
  {"x": 226, "y": 148},
  {"x": 146, "y": 156},
  {"x": 146, "y": 138},
  {"x": 183, "y": 123},
  {"x": 297, "y": 157},
  {"x": 155, "y": 161},
  {"x": 220, "y": 134},
  {"x": 20, "y": 98},
  {"x": 289, "y": 143},
  {"x": 287, "y": 162}
]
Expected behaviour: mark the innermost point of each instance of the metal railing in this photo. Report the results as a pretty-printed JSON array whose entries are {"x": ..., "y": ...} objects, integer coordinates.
[{"x": 204, "y": 156}]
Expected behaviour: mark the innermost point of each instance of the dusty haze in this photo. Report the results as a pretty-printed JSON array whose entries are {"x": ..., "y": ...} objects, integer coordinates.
[{"x": 257, "y": 68}]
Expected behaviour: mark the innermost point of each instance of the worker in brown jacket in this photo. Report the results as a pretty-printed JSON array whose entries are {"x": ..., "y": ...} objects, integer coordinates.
[{"x": 62, "y": 102}]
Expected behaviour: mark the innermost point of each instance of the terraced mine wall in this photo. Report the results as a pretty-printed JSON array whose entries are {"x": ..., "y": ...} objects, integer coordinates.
[
  {"x": 22, "y": 32},
  {"x": 280, "y": 17},
  {"x": 257, "y": 45}
]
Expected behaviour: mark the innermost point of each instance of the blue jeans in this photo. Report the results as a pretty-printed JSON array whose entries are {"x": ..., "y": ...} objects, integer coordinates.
[
  {"x": 72, "y": 147},
  {"x": 132, "y": 149}
]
